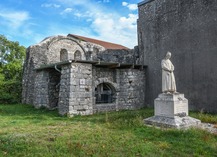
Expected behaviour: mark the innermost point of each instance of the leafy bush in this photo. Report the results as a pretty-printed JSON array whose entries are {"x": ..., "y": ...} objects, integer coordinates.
[{"x": 10, "y": 91}]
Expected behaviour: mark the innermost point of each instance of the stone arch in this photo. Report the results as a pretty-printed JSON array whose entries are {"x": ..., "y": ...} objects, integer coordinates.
[
  {"x": 113, "y": 87},
  {"x": 105, "y": 93},
  {"x": 106, "y": 80},
  {"x": 59, "y": 38}
]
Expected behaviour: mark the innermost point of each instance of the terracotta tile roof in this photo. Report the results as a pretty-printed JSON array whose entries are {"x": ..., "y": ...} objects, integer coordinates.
[{"x": 105, "y": 44}]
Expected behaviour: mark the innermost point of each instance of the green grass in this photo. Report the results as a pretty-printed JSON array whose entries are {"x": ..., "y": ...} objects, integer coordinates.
[{"x": 28, "y": 132}]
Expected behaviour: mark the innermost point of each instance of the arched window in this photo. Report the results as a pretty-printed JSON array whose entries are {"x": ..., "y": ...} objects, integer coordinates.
[
  {"x": 77, "y": 55},
  {"x": 95, "y": 50},
  {"x": 104, "y": 93},
  {"x": 63, "y": 55}
]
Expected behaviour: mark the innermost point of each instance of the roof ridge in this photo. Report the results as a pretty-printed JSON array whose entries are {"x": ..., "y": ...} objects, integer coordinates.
[{"x": 107, "y": 45}]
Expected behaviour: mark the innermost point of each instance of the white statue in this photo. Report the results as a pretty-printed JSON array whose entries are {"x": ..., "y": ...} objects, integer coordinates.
[{"x": 168, "y": 78}]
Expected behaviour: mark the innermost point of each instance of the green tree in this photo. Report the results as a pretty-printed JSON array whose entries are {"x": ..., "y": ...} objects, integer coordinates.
[{"x": 12, "y": 57}]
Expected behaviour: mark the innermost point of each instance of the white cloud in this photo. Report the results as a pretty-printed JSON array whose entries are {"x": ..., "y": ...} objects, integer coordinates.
[
  {"x": 14, "y": 19},
  {"x": 129, "y": 22},
  {"x": 122, "y": 30},
  {"x": 130, "y": 6},
  {"x": 66, "y": 11},
  {"x": 124, "y": 3},
  {"x": 50, "y": 5}
]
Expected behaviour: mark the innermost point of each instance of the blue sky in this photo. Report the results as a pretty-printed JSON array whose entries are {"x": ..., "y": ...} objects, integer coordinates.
[{"x": 30, "y": 21}]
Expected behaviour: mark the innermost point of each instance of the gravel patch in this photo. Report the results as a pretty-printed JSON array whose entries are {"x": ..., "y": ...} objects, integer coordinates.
[{"x": 212, "y": 128}]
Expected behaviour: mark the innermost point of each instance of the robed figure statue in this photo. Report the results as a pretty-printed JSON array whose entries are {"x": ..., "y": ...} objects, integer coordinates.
[{"x": 168, "y": 78}]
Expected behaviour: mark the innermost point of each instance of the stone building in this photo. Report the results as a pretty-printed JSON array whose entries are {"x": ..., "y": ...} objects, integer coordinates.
[
  {"x": 187, "y": 28},
  {"x": 80, "y": 75}
]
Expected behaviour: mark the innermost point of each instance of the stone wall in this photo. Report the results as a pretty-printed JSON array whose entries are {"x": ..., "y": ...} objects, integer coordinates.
[
  {"x": 120, "y": 56},
  {"x": 41, "y": 97},
  {"x": 64, "y": 92},
  {"x": 76, "y": 92},
  {"x": 132, "y": 88},
  {"x": 186, "y": 28},
  {"x": 128, "y": 85}
]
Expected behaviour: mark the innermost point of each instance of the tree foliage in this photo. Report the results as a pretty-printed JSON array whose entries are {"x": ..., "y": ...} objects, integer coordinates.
[{"x": 12, "y": 57}]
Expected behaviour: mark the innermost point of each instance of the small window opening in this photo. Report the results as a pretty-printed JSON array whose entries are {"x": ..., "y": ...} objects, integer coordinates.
[
  {"x": 63, "y": 55},
  {"x": 104, "y": 94},
  {"x": 77, "y": 55}
]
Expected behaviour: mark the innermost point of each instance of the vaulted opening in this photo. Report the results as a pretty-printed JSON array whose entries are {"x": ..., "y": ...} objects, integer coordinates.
[{"x": 104, "y": 93}]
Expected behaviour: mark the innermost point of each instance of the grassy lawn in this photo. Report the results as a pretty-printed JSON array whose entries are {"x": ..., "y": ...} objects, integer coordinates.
[{"x": 28, "y": 132}]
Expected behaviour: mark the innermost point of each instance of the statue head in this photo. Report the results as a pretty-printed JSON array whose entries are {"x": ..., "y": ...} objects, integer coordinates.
[{"x": 168, "y": 55}]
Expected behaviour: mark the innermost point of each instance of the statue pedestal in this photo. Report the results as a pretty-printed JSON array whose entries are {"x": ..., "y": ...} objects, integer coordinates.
[{"x": 171, "y": 110}]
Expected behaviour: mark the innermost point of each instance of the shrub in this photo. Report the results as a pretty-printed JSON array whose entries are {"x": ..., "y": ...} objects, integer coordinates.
[{"x": 10, "y": 92}]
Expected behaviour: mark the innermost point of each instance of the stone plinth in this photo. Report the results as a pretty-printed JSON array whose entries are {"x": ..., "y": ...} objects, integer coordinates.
[
  {"x": 170, "y": 105},
  {"x": 171, "y": 110}
]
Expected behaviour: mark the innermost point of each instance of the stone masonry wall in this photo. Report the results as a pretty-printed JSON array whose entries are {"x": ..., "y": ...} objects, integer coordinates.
[
  {"x": 132, "y": 85},
  {"x": 81, "y": 90},
  {"x": 64, "y": 91},
  {"x": 41, "y": 97},
  {"x": 76, "y": 92}
]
